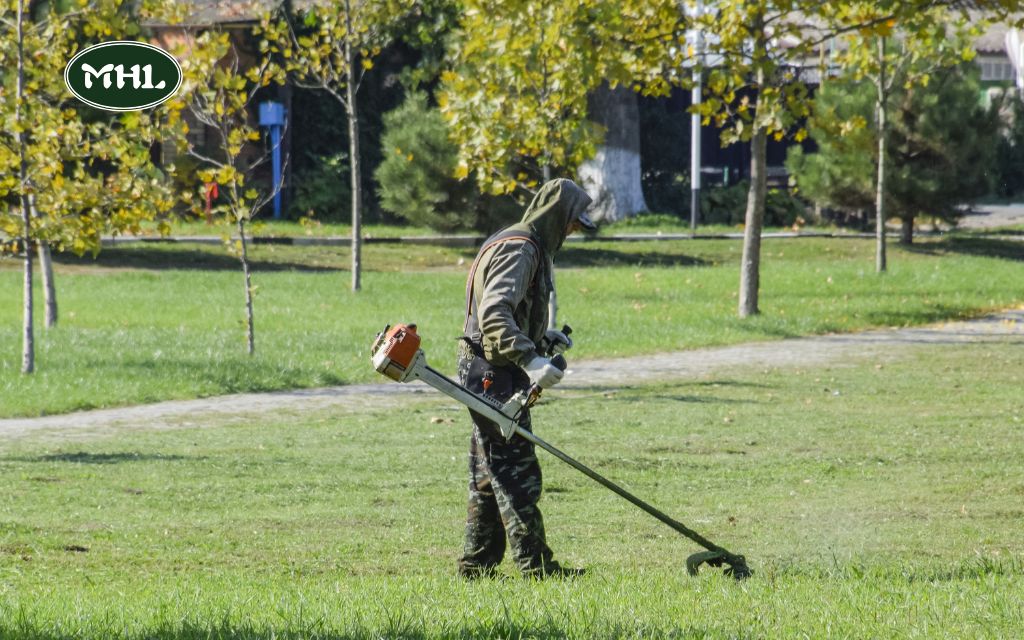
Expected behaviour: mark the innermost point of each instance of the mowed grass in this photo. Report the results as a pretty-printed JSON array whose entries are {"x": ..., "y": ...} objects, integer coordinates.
[
  {"x": 149, "y": 323},
  {"x": 878, "y": 498}
]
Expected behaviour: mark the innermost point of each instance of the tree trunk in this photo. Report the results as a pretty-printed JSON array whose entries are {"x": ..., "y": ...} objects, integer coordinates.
[
  {"x": 28, "y": 348},
  {"x": 907, "y": 231},
  {"x": 250, "y": 330},
  {"x": 750, "y": 269},
  {"x": 353, "y": 145},
  {"x": 46, "y": 268},
  {"x": 612, "y": 177},
  {"x": 880, "y": 260},
  {"x": 49, "y": 286}
]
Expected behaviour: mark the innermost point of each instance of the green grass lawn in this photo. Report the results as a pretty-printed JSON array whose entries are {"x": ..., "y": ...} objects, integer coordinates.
[
  {"x": 148, "y": 323},
  {"x": 878, "y": 499}
]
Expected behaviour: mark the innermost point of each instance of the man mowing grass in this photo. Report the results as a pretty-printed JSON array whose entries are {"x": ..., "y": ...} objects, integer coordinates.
[{"x": 506, "y": 346}]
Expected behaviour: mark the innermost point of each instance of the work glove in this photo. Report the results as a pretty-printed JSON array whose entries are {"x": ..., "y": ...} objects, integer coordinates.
[
  {"x": 542, "y": 373},
  {"x": 556, "y": 342}
]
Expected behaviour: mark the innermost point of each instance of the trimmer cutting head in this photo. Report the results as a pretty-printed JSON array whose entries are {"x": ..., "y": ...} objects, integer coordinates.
[{"x": 737, "y": 565}]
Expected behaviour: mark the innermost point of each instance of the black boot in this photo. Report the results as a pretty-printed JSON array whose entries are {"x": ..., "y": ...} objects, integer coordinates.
[
  {"x": 477, "y": 571},
  {"x": 552, "y": 569}
]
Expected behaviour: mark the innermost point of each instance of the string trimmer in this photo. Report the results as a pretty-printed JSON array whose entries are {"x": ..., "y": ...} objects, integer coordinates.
[{"x": 396, "y": 353}]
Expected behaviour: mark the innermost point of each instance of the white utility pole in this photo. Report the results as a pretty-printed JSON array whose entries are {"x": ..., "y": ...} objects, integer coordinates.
[{"x": 695, "y": 126}]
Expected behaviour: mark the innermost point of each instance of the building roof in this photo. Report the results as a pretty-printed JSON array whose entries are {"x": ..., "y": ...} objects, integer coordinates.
[
  {"x": 205, "y": 13},
  {"x": 993, "y": 40}
]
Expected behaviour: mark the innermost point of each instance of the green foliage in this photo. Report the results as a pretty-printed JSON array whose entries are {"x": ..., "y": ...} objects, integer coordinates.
[
  {"x": 724, "y": 204},
  {"x": 841, "y": 174},
  {"x": 941, "y": 147},
  {"x": 751, "y": 84},
  {"x": 516, "y": 95},
  {"x": 220, "y": 94},
  {"x": 89, "y": 172},
  {"x": 727, "y": 205},
  {"x": 323, "y": 188},
  {"x": 417, "y": 180}
]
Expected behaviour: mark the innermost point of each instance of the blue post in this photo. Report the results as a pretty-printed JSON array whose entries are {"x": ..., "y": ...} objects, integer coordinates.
[
  {"x": 275, "y": 158},
  {"x": 272, "y": 116}
]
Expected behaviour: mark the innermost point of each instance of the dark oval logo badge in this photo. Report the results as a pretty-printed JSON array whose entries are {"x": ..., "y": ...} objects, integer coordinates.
[{"x": 123, "y": 75}]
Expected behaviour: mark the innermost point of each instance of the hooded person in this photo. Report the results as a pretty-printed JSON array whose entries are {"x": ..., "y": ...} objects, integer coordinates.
[{"x": 502, "y": 351}]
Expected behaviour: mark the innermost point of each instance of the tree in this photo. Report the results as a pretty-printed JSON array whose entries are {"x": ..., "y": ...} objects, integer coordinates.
[
  {"x": 755, "y": 50},
  {"x": 840, "y": 174},
  {"x": 330, "y": 51},
  {"x": 902, "y": 51},
  {"x": 613, "y": 175},
  {"x": 74, "y": 174},
  {"x": 417, "y": 180},
  {"x": 516, "y": 96},
  {"x": 941, "y": 149},
  {"x": 220, "y": 95}
]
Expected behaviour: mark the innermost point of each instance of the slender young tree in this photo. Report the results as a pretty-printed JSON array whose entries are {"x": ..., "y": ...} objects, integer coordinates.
[
  {"x": 28, "y": 352},
  {"x": 329, "y": 47},
  {"x": 220, "y": 95},
  {"x": 900, "y": 52}
]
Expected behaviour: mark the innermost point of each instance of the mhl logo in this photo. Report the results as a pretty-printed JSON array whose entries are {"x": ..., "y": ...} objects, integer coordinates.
[{"x": 123, "y": 76}]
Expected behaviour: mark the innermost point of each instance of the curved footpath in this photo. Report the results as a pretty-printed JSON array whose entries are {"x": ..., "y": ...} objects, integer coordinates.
[{"x": 1005, "y": 327}]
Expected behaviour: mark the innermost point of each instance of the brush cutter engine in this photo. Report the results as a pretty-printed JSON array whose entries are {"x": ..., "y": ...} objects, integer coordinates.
[{"x": 396, "y": 353}]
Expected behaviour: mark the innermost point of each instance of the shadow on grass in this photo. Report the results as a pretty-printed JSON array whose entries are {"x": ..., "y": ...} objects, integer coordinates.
[
  {"x": 590, "y": 257},
  {"x": 931, "y": 315},
  {"x": 997, "y": 232},
  {"x": 403, "y": 629},
  {"x": 229, "y": 376},
  {"x": 209, "y": 259},
  {"x": 972, "y": 246},
  {"x": 641, "y": 396},
  {"x": 82, "y": 457}
]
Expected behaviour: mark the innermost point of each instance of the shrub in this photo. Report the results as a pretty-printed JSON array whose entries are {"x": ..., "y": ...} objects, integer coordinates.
[
  {"x": 324, "y": 189},
  {"x": 728, "y": 206},
  {"x": 416, "y": 176}
]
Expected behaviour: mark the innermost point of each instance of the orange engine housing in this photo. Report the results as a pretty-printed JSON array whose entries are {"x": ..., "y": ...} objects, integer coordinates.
[
  {"x": 396, "y": 351},
  {"x": 401, "y": 344}
]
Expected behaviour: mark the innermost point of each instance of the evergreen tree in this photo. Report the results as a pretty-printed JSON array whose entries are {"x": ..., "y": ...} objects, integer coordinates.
[{"x": 941, "y": 151}]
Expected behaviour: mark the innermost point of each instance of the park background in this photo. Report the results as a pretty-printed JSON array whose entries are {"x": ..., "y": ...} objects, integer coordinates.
[{"x": 875, "y": 491}]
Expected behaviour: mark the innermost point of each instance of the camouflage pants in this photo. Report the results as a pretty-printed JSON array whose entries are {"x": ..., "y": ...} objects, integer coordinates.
[{"x": 504, "y": 481}]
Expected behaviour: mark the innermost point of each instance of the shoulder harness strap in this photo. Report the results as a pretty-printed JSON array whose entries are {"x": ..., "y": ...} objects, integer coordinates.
[{"x": 496, "y": 239}]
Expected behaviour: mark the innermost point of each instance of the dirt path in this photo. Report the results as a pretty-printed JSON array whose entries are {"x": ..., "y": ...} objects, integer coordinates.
[{"x": 1006, "y": 327}]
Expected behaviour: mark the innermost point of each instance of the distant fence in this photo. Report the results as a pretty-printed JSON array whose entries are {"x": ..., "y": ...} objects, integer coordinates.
[{"x": 467, "y": 240}]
